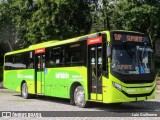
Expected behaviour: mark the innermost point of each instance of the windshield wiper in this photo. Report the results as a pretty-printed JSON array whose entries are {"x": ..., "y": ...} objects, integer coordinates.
[{"x": 144, "y": 50}]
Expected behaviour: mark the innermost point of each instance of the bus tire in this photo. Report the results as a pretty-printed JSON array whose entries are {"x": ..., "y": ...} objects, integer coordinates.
[
  {"x": 24, "y": 91},
  {"x": 79, "y": 97}
]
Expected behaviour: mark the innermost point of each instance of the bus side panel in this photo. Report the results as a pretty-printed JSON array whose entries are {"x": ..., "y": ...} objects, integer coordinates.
[
  {"x": 59, "y": 80},
  {"x": 14, "y": 78}
]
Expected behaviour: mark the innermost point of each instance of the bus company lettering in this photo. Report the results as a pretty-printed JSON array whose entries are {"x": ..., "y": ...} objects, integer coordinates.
[
  {"x": 42, "y": 50},
  {"x": 134, "y": 38},
  {"x": 117, "y": 36},
  {"x": 62, "y": 75},
  {"x": 124, "y": 67},
  {"x": 94, "y": 40},
  {"x": 77, "y": 77},
  {"x": 25, "y": 76}
]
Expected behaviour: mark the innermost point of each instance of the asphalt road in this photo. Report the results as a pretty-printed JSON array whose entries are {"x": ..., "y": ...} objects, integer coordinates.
[{"x": 55, "y": 107}]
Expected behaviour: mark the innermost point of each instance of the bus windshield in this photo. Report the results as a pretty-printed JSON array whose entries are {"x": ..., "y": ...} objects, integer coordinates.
[{"x": 131, "y": 58}]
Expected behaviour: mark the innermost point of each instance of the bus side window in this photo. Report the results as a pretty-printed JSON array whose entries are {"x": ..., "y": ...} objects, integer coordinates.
[
  {"x": 49, "y": 58},
  {"x": 8, "y": 62},
  {"x": 31, "y": 60},
  {"x": 55, "y": 56},
  {"x": 58, "y": 53},
  {"x": 75, "y": 54},
  {"x": 28, "y": 59},
  {"x": 19, "y": 61}
]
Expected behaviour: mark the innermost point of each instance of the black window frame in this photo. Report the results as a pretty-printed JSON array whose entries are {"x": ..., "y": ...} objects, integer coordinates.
[
  {"x": 53, "y": 58},
  {"x": 72, "y": 51},
  {"x": 23, "y": 60}
]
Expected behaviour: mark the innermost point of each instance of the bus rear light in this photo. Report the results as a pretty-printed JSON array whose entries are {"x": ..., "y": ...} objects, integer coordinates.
[{"x": 118, "y": 86}]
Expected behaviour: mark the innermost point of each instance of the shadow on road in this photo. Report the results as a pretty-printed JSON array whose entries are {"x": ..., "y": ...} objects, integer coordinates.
[{"x": 144, "y": 106}]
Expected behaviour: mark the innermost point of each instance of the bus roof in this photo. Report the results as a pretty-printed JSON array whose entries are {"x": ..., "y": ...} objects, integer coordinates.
[
  {"x": 126, "y": 31},
  {"x": 60, "y": 42},
  {"x": 42, "y": 45},
  {"x": 51, "y": 43}
]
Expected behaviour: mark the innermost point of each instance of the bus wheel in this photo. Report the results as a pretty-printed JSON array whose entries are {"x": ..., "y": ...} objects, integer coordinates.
[
  {"x": 79, "y": 97},
  {"x": 24, "y": 91}
]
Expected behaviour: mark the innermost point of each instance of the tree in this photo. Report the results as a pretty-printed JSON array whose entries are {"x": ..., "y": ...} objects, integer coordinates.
[
  {"x": 35, "y": 21},
  {"x": 43, "y": 20},
  {"x": 7, "y": 28},
  {"x": 73, "y": 17},
  {"x": 135, "y": 16}
]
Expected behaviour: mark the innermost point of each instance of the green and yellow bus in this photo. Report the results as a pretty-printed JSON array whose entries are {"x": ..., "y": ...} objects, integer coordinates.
[{"x": 107, "y": 67}]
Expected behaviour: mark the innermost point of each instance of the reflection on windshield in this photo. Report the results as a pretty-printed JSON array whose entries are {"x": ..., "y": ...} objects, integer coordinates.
[{"x": 131, "y": 59}]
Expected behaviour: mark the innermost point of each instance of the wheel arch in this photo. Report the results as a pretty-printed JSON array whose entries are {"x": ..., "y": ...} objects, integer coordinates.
[
  {"x": 71, "y": 91},
  {"x": 23, "y": 81}
]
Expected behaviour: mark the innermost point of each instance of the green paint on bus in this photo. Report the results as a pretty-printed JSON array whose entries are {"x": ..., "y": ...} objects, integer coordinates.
[{"x": 107, "y": 67}]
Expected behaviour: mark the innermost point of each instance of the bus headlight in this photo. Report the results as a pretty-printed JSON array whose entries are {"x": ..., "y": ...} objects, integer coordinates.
[{"x": 118, "y": 86}]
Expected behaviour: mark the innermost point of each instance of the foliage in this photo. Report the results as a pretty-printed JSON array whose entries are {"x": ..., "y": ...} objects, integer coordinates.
[
  {"x": 42, "y": 20},
  {"x": 7, "y": 28},
  {"x": 73, "y": 17},
  {"x": 25, "y": 22},
  {"x": 136, "y": 16}
]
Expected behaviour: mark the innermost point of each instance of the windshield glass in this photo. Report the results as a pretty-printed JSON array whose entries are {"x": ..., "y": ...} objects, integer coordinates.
[{"x": 131, "y": 58}]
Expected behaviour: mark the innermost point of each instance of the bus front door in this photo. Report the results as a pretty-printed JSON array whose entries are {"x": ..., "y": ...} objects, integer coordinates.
[
  {"x": 95, "y": 71},
  {"x": 40, "y": 76}
]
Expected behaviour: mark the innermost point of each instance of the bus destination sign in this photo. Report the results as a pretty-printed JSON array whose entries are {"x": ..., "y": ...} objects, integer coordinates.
[
  {"x": 130, "y": 37},
  {"x": 94, "y": 40},
  {"x": 41, "y": 50}
]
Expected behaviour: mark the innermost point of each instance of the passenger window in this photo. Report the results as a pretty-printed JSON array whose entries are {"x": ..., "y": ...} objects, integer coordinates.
[
  {"x": 75, "y": 54},
  {"x": 19, "y": 61},
  {"x": 55, "y": 57}
]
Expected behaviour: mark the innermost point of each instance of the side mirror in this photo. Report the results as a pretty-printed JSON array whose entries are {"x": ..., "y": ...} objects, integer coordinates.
[{"x": 108, "y": 51}]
